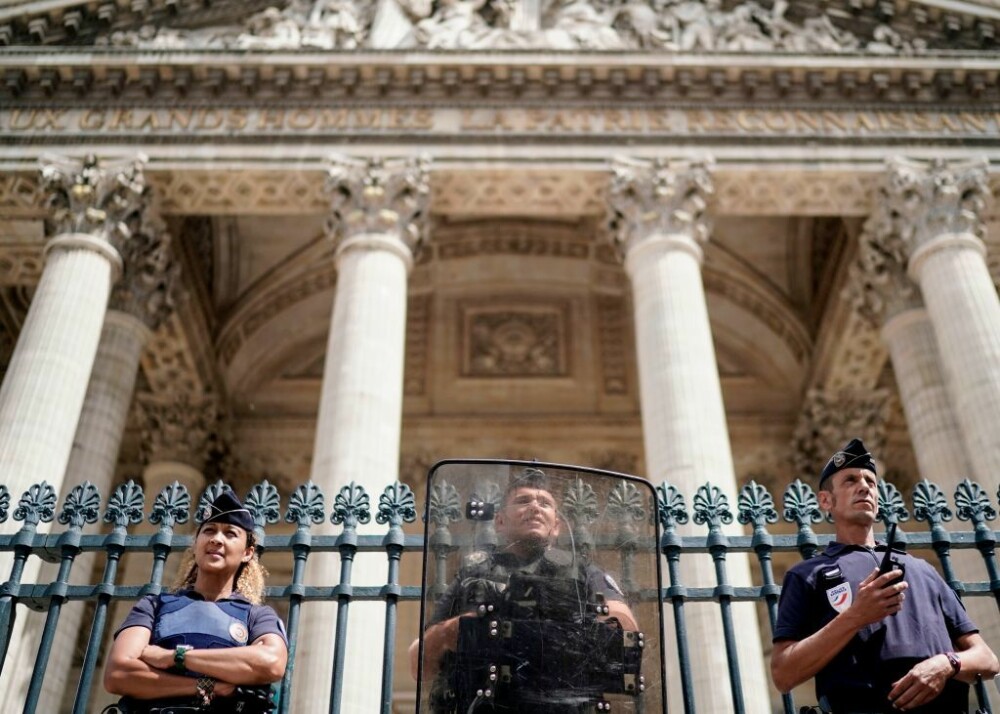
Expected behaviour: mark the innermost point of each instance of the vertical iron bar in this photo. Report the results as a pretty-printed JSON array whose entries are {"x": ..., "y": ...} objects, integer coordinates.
[
  {"x": 348, "y": 545},
  {"x": 670, "y": 545},
  {"x": 394, "y": 548},
  {"x": 717, "y": 545}
]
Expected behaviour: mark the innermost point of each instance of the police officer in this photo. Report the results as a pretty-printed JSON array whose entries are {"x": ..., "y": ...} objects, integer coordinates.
[
  {"x": 875, "y": 642},
  {"x": 212, "y": 641},
  {"x": 528, "y": 523}
]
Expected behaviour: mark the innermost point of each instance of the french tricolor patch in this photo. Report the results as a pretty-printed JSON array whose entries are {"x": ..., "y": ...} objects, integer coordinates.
[{"x": 840, "y": 596}]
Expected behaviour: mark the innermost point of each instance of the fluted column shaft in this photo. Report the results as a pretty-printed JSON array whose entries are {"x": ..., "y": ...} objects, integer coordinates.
[
  {"x": 660, "y": 227},
  {"x": 361, "y": 404}
]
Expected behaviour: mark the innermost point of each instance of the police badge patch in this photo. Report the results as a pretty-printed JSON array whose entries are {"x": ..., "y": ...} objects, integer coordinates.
[
  {"x": 840, "y": 596},
  {"x": 238, "y": 631},
  {"x": 839, "y": 459}
]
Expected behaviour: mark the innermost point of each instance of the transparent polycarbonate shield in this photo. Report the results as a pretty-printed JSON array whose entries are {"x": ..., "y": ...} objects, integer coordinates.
[{"x": 540, "y": 591}]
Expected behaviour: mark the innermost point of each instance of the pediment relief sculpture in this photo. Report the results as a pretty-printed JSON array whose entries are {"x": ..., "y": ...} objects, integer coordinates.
[{"x": 571, "y": 25}]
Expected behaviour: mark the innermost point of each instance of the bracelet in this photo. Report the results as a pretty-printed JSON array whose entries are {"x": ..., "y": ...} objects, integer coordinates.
[
  {"x": 179, "y": 653},
  {"x": 206, "y": 690}
]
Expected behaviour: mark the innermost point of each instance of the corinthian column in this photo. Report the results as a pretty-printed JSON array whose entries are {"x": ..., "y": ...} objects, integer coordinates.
[
  {"x": 376, "y": 219},
  {"x": 42, "y": 394},
  {"x": 939, "y": 208},
  {"x": 140, "y": 301},
  {"x": 660, "y": 226},
  {"x": 884, "y": 295}
]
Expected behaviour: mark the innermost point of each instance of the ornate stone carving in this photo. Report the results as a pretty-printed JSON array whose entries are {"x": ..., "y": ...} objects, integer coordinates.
[
  {"x": 665, "y": 25},
  {"x": 379, "y": 196},
  {"x": 934, "y": 198},
  {"x": 659, "y": 197},
  {"x": 511, "y": 340},
  {"x": 179, "y": 427},
  {"x": 878, "y": 286},
  {"x": 570, "y": 193},
  {"x": 21, "y": 265},
  {"x": 611, "y": 339},
  {"x": 20, "y": 193},
  {"x": 169, "y": 361},
  {"x": 218, "y": 192},
  {"x": 102, "y": 198},
  {"x": 150, "y": 276},
  {"x": 418, "y": 325},
  {"x": 828, "y": 419}
]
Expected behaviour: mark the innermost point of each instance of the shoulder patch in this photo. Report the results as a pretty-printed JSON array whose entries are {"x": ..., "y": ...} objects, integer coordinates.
[
  {"x": 840, "y": 596},
  {"x": 613, "y": 585}
]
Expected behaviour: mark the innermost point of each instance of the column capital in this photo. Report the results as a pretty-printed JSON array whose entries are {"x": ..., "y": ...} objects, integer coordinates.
[
  {"x": 378, "y": 203},
  {"x": 659, "y": 198},
  {"x": 879, "y": 286},
  {"x": 829, "y": 418},
  {"x": 93, "y": 197},
  {"x": 180, "y": 427},
  {"x": 150, "y": 273},
  {"x": 932, "y": 199}
]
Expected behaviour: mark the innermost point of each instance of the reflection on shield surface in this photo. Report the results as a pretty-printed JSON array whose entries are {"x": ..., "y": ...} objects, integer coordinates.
[{"x": 541, "y": 591}]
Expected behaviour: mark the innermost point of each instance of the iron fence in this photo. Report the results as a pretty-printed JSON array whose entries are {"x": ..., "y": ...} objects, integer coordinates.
[{"x": 306, "y": 508}]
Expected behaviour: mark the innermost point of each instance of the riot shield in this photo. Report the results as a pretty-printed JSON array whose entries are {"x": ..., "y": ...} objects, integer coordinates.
[{"x": 540, "y": 591}]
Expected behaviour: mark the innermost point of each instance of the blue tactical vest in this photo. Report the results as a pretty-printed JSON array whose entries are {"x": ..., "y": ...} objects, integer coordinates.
[{"x": 185, "y": 621}]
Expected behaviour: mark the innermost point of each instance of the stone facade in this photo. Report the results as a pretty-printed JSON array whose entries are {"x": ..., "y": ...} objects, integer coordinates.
[{"x": 343, "y": 240}]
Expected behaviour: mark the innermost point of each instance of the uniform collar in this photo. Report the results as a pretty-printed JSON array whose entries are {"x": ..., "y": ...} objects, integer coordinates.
[
  {"x": 195, "y": 595},
  {"x": 833, "y": 548}
]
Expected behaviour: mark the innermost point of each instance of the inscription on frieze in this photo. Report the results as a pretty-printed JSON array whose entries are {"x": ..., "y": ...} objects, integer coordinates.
[
  {"x": 515, "y": 340},
  {"x": 583, "y": 121}
]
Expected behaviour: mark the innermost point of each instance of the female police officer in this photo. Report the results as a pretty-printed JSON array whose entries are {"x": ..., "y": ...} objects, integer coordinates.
[{"x": 191, "y": 649}]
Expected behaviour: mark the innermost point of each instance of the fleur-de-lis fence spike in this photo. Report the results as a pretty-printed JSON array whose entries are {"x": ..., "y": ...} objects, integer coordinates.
[
  {"x": 973, "y": 503},
  {"x": 307, "y": 505},
  {"x": 125, "y": 505},
  {"x": 4, "y": 502},
  {"x": 396, "y": 505},
  {"x": 82, "y": 506},
  {"x": 711, "y": 507},
  {"x": 800, "y": 504},
  {"x": 443, "y": 504},
  {"x": 351, "y": 507},
  {"x": 755, "y": 505},
  {"x": 212, "y": 492},
  {"x": 930, "y": 503},
  {"x": 891, "y": 508},
  {"x": 170, "y": 507},
  {"x": 580, "y": 503},
  {"x": 625, "y": 503},
  {"x": 263, "y": 503},
  {"x": 671, "y": 509},
  {"x": 37, "y": 504}
]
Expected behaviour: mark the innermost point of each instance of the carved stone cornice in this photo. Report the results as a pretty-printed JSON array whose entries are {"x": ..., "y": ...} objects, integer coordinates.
[
  {"x": 179, "y": 427},
  {"x": 659, "y": 198},
  {"x": 936, "y": 198},
  {"x": 102, "y": 198},
  {"x": 379, "y": 197},
  {"x": 150, "y": 274},
  {"x": 829, "y": 418},
  {"x": 878, "y": 285}
]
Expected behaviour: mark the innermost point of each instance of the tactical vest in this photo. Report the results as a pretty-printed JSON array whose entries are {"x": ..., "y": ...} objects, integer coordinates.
[{"x": 181, "y": 620}]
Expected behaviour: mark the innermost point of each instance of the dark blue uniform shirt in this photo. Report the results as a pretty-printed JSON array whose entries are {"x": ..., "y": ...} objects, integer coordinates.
[{"x": 931, "y": 618}]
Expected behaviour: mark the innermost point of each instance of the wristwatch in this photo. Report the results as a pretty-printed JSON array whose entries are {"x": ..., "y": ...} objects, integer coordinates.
[
  {"x": 179, "y": 653},
  {"x": 955, "y": 662}
]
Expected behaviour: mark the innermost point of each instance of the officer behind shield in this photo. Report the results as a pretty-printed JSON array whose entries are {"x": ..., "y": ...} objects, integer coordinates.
[
  {"x": 528, "y": 524},
  {"x": 895, "y": 641},
  {"x": 211, "y": 645}
]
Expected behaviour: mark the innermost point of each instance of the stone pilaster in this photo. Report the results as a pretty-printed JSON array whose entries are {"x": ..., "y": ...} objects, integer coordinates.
[
  {"x": 938, "y": 208},
  {"x": 659, "y": 225},
  {"x": 140, "y": 301},
  {"x": 883, "y": 293},
  {"x": 376, "y": 223},
  {"x": 94, "y": 207}
]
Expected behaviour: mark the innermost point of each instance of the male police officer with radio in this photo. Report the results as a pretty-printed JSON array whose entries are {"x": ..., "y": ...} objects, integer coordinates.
[
  {"x": 528, "y": 523},
  {"x": 875, "y": 642}
]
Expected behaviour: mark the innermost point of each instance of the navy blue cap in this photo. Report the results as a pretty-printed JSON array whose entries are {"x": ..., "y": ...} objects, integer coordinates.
[
  {"x": 852, "y": 456},
  {"x": 226, "y": 508}
]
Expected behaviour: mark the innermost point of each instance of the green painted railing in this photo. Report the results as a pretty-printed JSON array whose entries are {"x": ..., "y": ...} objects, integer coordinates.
[{"x": 306, "y": 508}]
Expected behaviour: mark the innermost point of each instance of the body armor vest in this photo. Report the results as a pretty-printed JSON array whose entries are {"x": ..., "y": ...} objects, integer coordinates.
[{"x": 184, "y": 621}]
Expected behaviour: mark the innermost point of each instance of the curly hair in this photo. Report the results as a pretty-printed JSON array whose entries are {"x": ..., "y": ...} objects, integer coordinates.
[{"x": 249, "y": 578}]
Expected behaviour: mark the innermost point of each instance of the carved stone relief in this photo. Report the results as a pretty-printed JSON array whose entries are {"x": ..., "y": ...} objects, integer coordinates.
[
  {"x": 418, "y": 326},
  {"x": 500, "y": 193},
  {"x": 169, "y": 361},
  {"x": 830, "y": 418},
  {"x": 663, "y": 25},
  {"x": 21, "y": 264},
  {"x": 512, "y": 339},
  {"x": 180, "y": 426},
  {"x": 611, "y": 337},
  {"x": 227, "y": 192},
  {"x": 150, "y": 277}
]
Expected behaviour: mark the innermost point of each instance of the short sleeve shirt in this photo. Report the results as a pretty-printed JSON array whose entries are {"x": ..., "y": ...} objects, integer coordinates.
[
  {"x": 931, "y": 618},
  {"x": 263, "y": 620}
]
